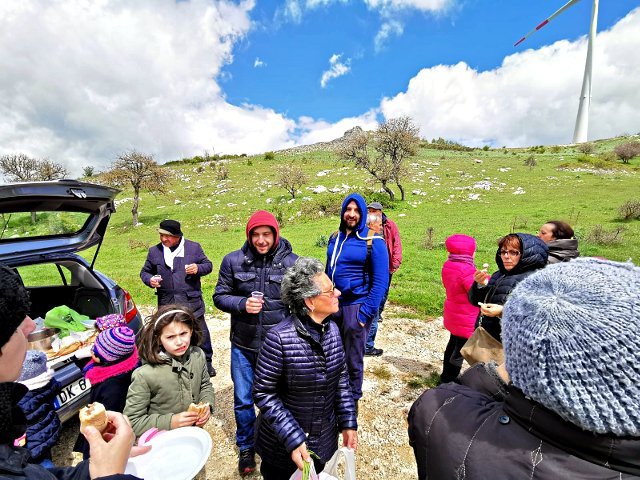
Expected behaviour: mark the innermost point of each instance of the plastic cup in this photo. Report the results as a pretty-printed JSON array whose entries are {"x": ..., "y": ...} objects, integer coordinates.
[{"x": 257, "y": 294}]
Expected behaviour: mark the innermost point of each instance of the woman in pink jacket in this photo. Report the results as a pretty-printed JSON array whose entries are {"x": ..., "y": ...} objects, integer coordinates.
[{"x": 459, "y": 315}]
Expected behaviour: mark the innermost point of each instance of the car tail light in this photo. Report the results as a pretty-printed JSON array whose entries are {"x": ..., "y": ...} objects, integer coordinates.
[{"x": 130, "y": 309}]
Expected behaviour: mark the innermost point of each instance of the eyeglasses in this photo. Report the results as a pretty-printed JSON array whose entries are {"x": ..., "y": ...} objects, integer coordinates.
[
  {"x": 510, "y": 253},
  {"x": 329, "y": 293}
]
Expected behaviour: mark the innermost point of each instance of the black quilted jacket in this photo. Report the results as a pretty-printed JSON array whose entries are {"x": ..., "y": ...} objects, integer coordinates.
[
  {"x": 534, "y": 256},
  {"x": 242, "y": 272},
  {"x": 302, "y": 390}
]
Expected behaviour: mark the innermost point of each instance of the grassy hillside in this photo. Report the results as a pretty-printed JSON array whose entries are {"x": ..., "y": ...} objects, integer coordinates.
[{"x": 481, "y": 193}]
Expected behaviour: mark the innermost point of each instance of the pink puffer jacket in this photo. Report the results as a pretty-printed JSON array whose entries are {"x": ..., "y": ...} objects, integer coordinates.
[{"x": 457, "y": 278}]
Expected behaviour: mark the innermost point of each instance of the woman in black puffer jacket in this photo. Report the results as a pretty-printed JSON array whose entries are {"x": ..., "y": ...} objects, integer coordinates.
[
  {"x": 518, "y": 256},
  {"x": 301, "y": 384}
]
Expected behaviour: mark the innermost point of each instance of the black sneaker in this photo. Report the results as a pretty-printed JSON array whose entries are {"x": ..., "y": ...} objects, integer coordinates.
[
  {"x": 247, "y": 461},
  {"x": 374, "y": 352},
  {"x": 211, "y": 370}
]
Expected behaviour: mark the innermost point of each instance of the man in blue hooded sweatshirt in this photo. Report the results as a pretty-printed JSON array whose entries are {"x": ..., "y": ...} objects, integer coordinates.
[{"x": 358, "y": 265}]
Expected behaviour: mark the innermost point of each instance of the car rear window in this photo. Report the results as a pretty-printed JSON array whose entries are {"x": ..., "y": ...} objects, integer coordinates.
[
  {"x": 44, "y": 275},
  {"x": 41, "y": 224}
]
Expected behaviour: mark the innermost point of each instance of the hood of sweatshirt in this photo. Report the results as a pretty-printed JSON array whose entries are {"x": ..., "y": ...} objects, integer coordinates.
[{"x": 362, "y": 206}]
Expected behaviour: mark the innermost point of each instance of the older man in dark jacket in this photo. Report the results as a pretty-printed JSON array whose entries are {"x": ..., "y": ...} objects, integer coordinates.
[
  {"x": 174, "y": 268},
  {"x": 249, "y": 289}
]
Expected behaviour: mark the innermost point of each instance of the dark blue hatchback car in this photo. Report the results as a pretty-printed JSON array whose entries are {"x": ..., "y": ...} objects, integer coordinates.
[{"x": 44, "y": 225}]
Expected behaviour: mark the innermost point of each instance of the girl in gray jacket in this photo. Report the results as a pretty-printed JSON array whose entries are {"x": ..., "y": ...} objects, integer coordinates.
[{"x": 173, "y": 374}]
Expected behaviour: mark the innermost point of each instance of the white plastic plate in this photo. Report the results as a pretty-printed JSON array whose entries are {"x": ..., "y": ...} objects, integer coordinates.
[{"x": 175, "y": 454}]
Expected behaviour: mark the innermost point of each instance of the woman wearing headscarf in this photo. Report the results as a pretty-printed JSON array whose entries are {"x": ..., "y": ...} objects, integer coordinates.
[{"x": 518, "y": 256}]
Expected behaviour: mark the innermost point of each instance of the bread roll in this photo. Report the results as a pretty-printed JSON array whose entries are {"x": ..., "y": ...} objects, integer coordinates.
[
  {"x": 94, "y": 415},
  {"x": 200, "y": 408}
]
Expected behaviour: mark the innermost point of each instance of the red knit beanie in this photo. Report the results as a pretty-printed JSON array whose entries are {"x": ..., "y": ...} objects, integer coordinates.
[{"x": 262, "y": 218}]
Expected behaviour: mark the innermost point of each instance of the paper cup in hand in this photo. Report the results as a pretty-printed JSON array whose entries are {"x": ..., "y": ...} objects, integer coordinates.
[
  {"x": 485, "y": 266},
  {"x": 257, "y": 295}
]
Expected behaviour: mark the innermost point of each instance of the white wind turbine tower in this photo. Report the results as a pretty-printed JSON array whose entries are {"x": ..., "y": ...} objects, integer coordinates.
[{"x": 582, "y": 120}]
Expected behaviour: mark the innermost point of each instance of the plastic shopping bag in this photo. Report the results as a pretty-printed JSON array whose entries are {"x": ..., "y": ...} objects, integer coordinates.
[
  {"x": 66, "y": 319},
  {"x": 330, "y": 471},
  {"x": 309, "y": 473}
]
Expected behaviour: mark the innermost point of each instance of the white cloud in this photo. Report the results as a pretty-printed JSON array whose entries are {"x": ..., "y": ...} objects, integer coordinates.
[
  {"x": 336, "y": 69},
  {"x": 532, "y": 98},
  {"x": 388, "y": 28},
  {"x": 84, "y": 81},
  {"x": 258, "y": 63},
  {"x": 314, "y": 131},
  {"x": 431, "y": 6}
]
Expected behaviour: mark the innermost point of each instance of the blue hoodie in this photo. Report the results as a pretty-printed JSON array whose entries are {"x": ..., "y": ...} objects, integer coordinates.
[{"x": 346, "y": 264}]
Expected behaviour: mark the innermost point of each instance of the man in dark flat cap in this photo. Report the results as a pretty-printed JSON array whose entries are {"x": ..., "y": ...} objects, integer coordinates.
[{"x": 174, "y": 267}]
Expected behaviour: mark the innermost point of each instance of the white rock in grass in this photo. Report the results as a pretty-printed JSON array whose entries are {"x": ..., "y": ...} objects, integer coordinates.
[
  {"x": 519, "y": 191},
  {"x": 402, "y": 214},
  {"x": 319, "y": 189},
  {"x": 231, "y": 204},
  {"x": 269, "y": 200},
  {"x": 482, "y": 185},
  {"x": 177, "y": 202},
  {"x": 474, "y": 196}
]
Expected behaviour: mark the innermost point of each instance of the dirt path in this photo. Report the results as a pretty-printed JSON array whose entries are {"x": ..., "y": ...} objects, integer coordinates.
[{"x": 412, "y": 351}]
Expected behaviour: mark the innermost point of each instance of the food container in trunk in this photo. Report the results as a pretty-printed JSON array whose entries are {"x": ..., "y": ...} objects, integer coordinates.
[{"x": 42, "y": 339}]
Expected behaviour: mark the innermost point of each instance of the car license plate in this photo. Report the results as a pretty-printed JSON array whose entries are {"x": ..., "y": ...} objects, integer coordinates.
[{"x": 68, "y": 393}]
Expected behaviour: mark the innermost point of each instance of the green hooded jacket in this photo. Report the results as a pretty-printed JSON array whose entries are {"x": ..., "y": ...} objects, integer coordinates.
[{"x": 158, "y": 391}]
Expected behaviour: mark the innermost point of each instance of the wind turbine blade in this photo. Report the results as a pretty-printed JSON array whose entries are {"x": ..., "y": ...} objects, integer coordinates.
[{"x": 570, "y": 3}]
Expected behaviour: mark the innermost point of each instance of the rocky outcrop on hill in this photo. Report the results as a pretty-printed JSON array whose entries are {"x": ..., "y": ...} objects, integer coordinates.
[{"x": 331, "y": 146}]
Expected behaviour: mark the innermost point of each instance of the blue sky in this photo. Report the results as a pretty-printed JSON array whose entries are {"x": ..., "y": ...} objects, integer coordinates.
[
  {"x": 294, "y": 54},
  {"x": 86, "y": 81}
]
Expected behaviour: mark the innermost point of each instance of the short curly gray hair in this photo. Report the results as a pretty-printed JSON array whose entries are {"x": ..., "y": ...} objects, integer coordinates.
[{"x": 299, "y": 282}]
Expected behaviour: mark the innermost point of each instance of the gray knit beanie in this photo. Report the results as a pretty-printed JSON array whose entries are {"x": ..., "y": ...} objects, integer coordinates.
[{"x": 571, "y": 334}]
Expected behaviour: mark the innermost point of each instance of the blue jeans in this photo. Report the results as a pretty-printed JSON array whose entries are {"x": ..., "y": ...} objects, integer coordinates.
[
  {"x": 243, "y": 364},
  {"x": 371, "y": 336},
  {"x": 354, "y": 336}
]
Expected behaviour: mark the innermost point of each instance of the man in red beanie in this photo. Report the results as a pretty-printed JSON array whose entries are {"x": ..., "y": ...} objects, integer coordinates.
[{"x": 249, "y": 289}]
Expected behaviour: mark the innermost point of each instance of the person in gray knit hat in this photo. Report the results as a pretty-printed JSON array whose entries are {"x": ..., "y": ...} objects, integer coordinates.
[{"x": 566, "y": 403}]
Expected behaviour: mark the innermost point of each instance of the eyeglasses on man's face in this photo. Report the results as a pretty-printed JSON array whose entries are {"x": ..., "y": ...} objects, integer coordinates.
[{"x": 510, "y": 253}]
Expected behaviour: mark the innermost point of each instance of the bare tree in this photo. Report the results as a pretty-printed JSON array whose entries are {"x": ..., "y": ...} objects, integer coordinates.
[
  {"x": 384, "y": 158},
  {"x": 21, "y": 168},
  {"x": 626, "y": 151},
  {"x": 141, "y": 172},
  {"x": 291, "y": 177},
  {"x": 49, "y": 170},
  {"x": 397, "y": 139},
  {"x": 356, "y": 148}
]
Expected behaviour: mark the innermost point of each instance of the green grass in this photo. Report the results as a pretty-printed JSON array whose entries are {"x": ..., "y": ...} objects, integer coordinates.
[
  {"x": 214, "y": 213},
  {"x": 421, "y": 382},
  {"x": 382, "y": 372}
]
